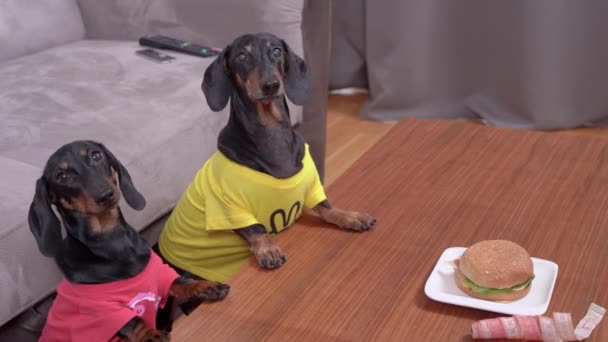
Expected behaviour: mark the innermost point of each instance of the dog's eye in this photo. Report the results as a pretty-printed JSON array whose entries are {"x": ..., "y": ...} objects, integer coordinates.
[
  {"x": 96, "y": 155},
  {"x": 62, "y": 177},
  {"x": 242, "y": 56},
  {"x": 277, "y": 52}
]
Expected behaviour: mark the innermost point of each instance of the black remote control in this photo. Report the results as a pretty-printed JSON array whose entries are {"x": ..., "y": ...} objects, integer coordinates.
[{"x": 164, "y": 42}]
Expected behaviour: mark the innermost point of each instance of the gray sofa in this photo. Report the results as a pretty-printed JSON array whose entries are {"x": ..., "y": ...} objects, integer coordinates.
[{"x": 68, "y": 70}]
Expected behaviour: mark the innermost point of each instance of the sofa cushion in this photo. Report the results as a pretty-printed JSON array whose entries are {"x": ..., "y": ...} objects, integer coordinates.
[
  {"x": 204, "y": 22},
  {"x": 152, "y": 116},
  {"x": 22, "y": 270},
  {"x": 28, "y": 26}
]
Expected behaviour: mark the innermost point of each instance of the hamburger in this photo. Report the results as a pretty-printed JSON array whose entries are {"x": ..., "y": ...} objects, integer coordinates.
[{"x": 495, "y": 270}]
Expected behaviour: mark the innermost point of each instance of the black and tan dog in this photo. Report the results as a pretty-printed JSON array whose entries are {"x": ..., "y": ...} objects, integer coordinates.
[
  {"x": 262, "y": 176},
  {"x": 113, "y": 283}
]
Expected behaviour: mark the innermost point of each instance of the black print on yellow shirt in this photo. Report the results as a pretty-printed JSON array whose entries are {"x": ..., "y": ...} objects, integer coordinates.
[{"x": 287, "y": 219}]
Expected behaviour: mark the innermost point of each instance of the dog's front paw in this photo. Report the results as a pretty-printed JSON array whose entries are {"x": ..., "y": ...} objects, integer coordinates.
[
  {"x": 200, "y": 289},
  {"x": 210, "y": 290},
  {"x": 218, "y": 292},
  {"x": 353, "y": 220},
  {"x": 269, "y": 256},
  {"x": 155, "y": 336}
]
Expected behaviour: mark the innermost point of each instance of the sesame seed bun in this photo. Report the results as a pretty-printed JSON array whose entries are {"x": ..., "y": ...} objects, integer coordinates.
[{"x": 495, "y": 264}]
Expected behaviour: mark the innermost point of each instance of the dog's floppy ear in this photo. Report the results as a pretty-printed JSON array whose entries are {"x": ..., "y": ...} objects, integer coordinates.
[
  {"x": 217, "y": 84},
  {"x": 296, "y": 81},
  {"x": 132, "y": 196},
  {"x": 45, "y": 226}
]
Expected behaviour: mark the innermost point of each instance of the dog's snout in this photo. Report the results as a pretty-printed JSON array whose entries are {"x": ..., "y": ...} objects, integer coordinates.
[
  {"x": 271, "y": 88},
  {"x": 105, "y": 197}
]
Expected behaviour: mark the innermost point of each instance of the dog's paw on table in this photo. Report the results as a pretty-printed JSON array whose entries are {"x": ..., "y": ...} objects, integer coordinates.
[
  {"x": 211, "y": 290},
  {"x": 218, "y": 292},
  {"x": 154, "y": 336},
  {"x": 353, "y": 220},
  {"x": 360, "y": 221},
  {"x": 270, "y": 257},
  {"x": 346, "y": 219},
  {"x": 201, "y": 289}
]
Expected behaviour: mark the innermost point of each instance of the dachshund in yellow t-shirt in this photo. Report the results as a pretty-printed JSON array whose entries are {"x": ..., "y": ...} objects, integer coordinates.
[{"x": 262, "y": 175}]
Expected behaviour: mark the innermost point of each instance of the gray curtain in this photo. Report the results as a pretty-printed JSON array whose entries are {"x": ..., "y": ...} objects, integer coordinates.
[
  {"x": 534, "y": 64},
  {"x": 316, "y": 19}
]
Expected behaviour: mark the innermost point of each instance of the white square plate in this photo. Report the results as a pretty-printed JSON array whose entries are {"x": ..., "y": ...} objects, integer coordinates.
[{"x": 441, "y": 287}]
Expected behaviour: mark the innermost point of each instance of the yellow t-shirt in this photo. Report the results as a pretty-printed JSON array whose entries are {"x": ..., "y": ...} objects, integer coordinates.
[{"x": 224, "y": 195}]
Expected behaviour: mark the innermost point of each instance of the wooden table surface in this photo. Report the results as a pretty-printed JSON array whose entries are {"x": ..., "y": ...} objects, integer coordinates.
[{"x": 431, "y": 185}]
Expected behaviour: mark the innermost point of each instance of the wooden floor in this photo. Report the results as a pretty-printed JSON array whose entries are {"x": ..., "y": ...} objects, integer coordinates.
[{"x": 348, "y": 136}]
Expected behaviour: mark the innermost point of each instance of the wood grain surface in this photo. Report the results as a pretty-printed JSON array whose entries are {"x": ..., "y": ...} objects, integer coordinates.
[
  {"x": 431, "y": 185},
  {"x": 348, "y": 136}
]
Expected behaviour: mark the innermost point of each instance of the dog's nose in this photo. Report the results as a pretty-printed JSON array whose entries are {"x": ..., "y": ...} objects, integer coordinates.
[
  {"x": 270, "y": 88},
  {"x": 105, "y": 197}
]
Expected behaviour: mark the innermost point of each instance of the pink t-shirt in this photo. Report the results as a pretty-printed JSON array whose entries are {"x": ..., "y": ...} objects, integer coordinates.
[{"x": 96, "y": 312}]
